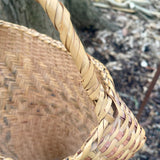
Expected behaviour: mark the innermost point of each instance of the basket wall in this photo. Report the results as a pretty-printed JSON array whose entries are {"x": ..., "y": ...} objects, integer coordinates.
[{"x": 44, "y": 111}]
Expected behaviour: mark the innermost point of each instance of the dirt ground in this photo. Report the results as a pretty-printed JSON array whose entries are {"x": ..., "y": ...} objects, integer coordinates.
[{"x": 132, "y": 54}]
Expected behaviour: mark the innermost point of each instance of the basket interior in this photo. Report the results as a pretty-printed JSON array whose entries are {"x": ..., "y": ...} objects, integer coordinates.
[{"x": 44, "y": 111}]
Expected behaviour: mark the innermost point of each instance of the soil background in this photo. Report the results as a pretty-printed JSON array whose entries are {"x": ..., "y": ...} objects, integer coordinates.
[{"x": 132, "y": 54}]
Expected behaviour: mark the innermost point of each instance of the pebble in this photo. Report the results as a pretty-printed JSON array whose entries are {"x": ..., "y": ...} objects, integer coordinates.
[
  {"x": 90, "y": 50},
  {"x": 144, "y": 63}
]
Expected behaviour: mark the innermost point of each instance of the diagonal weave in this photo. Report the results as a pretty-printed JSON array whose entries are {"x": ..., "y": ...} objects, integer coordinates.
[
  {"x": 47, "y": 96},
  {"x": 42, "y": 109}
]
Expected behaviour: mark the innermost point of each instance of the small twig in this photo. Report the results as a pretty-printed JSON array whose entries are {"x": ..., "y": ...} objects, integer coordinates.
[
  {"x": 155, "y": 78},
  {"x": 124, "y": 10},
  {"x": 130, "y": 98},
  {"x": 141, "y": 2},
  {"x": 100, "y": 5},
  {"x": 146, "y": 11},
  {"x": 147, "y": 122},
  {"x": 106, "y": 6},
  {"x": 128, "y": 6}
]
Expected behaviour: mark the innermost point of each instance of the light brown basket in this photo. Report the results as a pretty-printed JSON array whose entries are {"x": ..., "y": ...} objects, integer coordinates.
[{"x": 48, "y": 95}]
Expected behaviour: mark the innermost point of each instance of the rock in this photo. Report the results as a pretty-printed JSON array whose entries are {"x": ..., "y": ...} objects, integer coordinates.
[{"x": 144, "y": 63}]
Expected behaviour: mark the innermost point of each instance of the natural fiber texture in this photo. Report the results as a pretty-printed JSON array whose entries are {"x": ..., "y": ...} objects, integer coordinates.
[
  {"x": 118, "y": 135},
  {"x": 44, "y": 111},
  {"x": 37, "y": 73}
]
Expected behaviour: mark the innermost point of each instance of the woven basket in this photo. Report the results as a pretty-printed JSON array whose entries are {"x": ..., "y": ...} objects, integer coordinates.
[{"x": 57, "y": 101}]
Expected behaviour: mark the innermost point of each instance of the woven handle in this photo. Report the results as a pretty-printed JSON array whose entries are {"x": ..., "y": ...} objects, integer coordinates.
[
  {"x": 118, "y": 135},
  {"x": 60, "y": 17}
]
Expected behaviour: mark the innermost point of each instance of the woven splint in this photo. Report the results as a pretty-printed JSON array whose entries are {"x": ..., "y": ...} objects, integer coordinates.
[{"x": 57, "y": 101}]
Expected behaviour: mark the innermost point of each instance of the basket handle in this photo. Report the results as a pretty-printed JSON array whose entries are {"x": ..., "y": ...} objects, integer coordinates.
[
  {"x": 113, "y": 115},
  {"x": 60, "y": 17}
]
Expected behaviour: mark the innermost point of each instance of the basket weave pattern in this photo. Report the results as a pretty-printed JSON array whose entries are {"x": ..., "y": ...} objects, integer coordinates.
[
  {"x": 41, "y": 108},
  {"x": 117, "y": 135}
]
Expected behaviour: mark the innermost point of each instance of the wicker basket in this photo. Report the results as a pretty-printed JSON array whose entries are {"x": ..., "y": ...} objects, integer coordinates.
[{"x": 58, "y": 101}]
